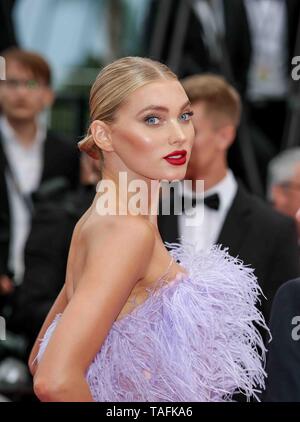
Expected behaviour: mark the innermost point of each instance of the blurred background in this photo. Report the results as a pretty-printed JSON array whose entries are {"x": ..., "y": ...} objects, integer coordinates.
[{"x": 77, "y": 38}]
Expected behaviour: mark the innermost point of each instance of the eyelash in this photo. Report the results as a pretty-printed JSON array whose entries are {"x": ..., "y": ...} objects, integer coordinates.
[{"x": 152, "y": 116}]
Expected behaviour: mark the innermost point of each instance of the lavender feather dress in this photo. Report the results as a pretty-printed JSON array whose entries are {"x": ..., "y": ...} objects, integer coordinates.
[{"x": 193, "y": 339}]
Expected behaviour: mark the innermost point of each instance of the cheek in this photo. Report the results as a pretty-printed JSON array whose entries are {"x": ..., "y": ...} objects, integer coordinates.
[
  {"x": 36, "y": 103},
  {"x": 204, "y": 144},
  {"x": 280, "y": 198},
  {"x": 141, "y": 144},
  {"x": 283, "y": 202},
  {"x": 6, "y": 98},
  {"x": 278, "y": 201},
  {"x": 190, "y": 136},
  {"x": 131, "y": 144},
  {"x": 295, "y": 200}
]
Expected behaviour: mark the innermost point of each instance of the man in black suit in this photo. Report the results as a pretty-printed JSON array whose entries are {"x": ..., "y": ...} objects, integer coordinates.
[
  {"x": 273, "y": 27},
  {"x": 261, "y": 237},
  {"x": 213, "y": 21},
  {"x": 283, "y": 364},
  {"x": 46, "y": 252},
  {"x": 202, "y": 51},
  {"x": 29, "y": 156}
]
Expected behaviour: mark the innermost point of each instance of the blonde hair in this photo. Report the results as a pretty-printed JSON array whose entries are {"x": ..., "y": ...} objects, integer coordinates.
[
  {"x": 218, "y": 95},
  {"x": 112, "y": 87}
]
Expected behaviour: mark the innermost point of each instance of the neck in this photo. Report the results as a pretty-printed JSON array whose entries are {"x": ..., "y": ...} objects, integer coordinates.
[
  {"x": 211, "y": 176},
  {"x": 128, "y": 195},
  {"x": 25, "y": 130}
]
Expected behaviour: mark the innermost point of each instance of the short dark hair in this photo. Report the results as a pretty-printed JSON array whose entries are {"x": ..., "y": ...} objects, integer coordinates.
[
  {"x": 30, "y": 60},
  {"x": 218, "y": 95}
]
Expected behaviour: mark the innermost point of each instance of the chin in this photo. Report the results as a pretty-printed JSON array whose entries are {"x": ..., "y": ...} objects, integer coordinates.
[
  {"x": 168, "y": 174},
  {"x": 174, "y": 174}
]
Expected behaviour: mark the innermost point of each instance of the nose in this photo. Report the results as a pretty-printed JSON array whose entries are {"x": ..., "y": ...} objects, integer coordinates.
[
  {"x": 177, "y": 134},
  {"x": 20, "y": 92}
]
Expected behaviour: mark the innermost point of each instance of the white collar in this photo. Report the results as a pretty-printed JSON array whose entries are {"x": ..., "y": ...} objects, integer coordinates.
[
  {"x": 9, "y": 135},
  {"x": 226, "y": 189}
]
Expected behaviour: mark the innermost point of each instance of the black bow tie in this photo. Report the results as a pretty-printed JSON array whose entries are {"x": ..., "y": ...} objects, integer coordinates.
[{"x": 211, "y": 201}]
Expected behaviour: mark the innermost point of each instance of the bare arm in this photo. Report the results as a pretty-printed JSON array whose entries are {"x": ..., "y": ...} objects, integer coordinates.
[
  {"x": 58, "y": 307},
  {"x": 112, "y": 268}
]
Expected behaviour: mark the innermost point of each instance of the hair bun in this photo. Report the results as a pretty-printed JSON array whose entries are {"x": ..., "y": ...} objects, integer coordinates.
[{"x": 88, "y": 145}]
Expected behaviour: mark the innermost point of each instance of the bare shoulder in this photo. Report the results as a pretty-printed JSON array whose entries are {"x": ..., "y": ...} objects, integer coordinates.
[
  {"x": 122, "y": 239},
  {"x": 117, "y": 252},
  {"x": 119, "y": 228}
]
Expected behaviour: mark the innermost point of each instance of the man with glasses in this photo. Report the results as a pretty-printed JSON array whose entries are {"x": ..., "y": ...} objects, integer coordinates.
[
  {"x": 284, "y": 182},
  {"x": 29, "y": 156}
]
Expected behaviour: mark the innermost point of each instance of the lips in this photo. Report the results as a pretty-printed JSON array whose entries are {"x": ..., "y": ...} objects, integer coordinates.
[{"x": 176, "y": 158}]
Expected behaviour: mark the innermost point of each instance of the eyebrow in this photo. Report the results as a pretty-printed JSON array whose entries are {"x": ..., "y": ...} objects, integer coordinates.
[{"x": 161, "y": 108}]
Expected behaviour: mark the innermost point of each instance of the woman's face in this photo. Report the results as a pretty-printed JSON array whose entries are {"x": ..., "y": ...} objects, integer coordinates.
[{"x": 155, "y": 122}]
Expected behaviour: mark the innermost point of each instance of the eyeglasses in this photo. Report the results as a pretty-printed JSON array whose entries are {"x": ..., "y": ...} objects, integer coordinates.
[
  {"x": 290, "y": 186},
  {"x": 30, "y": 84}
]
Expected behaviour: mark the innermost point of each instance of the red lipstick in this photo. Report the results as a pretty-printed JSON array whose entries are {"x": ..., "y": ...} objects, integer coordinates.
[{"x": 176, "y": 158}]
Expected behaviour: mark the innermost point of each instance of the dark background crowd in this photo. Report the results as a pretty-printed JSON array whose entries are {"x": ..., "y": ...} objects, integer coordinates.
[{"x": 236, "y": 59}]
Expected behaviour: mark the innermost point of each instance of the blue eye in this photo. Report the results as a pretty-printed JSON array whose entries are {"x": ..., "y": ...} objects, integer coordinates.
[
  {"x": 187, "y": 116},
  {"x": 151, "y": 120}
]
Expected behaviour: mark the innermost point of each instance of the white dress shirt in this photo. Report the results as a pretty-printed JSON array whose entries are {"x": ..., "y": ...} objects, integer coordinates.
[
  {"x": 267, "y": 77},
  {"x": 205, "y": 232},
  {"x": 26, "y": 164}
]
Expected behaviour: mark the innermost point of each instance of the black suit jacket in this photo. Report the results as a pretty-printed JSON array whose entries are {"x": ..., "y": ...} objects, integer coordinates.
[
  {"x": 293, "y": 17},
  {"x": 195, "y": 54},
  {"x": 283, "y": 365},
  {"x": 60, "y": 159},
  {"x": 46, "y": 254},
  {"x": 261, "y": 237},
  {"x": 237, "y": 40}
]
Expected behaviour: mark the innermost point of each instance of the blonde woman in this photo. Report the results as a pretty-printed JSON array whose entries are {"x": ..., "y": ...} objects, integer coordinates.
[{"x": 133, "y": 323}]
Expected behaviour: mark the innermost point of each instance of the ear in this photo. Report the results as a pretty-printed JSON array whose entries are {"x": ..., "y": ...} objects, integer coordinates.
[
  {"x": 226, "y": 136},
  {"x": 102, "y": 135}
]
